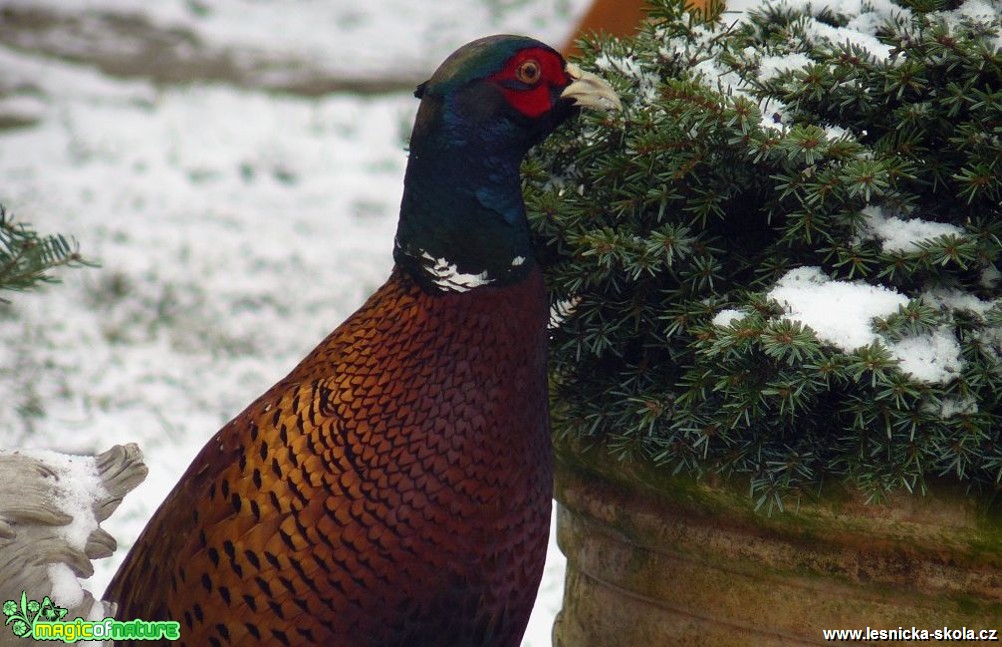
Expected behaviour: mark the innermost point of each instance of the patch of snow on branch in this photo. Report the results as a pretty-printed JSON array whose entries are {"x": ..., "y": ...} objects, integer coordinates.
[
  {"x": 647, "y": 81},
  {"x": 772, "y": 66},
  {"x": 729, "y": 82},
  {"x": 834, "y": 133},
  {"x": 865, "y": 18},
  {"x": 957, "y": 300},
  {"x": 930, "y": 358},
  {"x": 818, "y": 33},
  {"x": 958, "y": 406},
  {"x": 727, "y": 316},
  {"x": 903, "y": 235},
  {"x": 841, "y": 314},
  {"x": 990, "y": 277},
  {"x": 974, "y": 10}
]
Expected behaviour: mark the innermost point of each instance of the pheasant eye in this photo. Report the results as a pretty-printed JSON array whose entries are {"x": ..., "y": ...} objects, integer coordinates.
[{"x": 528, "y": 72}]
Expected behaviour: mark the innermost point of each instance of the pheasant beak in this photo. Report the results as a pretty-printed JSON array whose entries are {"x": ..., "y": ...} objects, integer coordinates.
[{"x": 589, "y": 91}]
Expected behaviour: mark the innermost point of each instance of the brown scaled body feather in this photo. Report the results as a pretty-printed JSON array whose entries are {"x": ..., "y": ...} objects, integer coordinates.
[{"x": 373, "y": 477}]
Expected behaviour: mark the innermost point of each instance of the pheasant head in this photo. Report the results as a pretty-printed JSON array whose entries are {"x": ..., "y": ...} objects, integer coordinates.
[{"x": 462, "y": 221}]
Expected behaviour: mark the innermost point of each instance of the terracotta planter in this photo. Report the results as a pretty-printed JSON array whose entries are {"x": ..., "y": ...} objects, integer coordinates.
[{"x": 657, "y": 561}]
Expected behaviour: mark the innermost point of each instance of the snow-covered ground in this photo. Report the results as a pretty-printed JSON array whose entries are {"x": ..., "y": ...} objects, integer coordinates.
[{"x": 234, "y": 226}]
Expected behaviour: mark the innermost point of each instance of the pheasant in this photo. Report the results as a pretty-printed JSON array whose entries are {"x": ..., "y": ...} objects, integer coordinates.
[{"x": 395, "y": 487}]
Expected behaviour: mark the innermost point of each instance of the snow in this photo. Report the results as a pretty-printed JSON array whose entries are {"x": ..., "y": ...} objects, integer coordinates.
[
  {"x": 841, "y": 313},
  {"x": 860, "y": 36},
  {"x": 727, "y": 316},
  {"x": 234, "y": 226},
  {"x": 647, "y": 82},
  {"x": 770, "y": 67},
  {"x": 66, "y": 589},
  {"x": 716, "y": 75},
  {"x": 976, "y": 10},
  {"x": 77, "y": 487},
  {"x": 955, "y": 299},
  {"x": 933, "y": 357},
  {"x": 896, "y": 234},
  {"x": 957, "y": 406},
  {"x": 865, "y": 17},
  {"x": 392, "y": 38},
  {"x": 990, "y": 277},
  {"x": 727, "y": 81}
]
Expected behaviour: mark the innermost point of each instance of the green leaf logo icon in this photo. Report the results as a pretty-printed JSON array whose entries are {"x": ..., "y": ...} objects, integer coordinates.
[
  {"x": 19, "y": 616},
  {"x": 22, "y": 615}
]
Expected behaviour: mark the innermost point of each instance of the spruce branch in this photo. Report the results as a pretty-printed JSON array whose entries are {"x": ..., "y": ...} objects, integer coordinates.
[{"x": 28, "y": 259}]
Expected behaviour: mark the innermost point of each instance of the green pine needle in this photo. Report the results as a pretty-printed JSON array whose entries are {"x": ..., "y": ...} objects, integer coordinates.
[{"x": 27, "y": 259}]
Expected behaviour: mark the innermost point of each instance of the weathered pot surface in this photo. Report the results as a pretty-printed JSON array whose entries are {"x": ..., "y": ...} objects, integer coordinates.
[{"x": 656, "y": 561}]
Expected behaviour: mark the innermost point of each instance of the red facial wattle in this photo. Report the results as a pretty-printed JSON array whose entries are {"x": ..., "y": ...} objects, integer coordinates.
[{"x": 531, "y": 99}]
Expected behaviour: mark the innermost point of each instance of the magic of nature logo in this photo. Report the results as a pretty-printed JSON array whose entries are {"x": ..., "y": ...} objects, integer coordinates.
[{"x": 46, "y": 621}]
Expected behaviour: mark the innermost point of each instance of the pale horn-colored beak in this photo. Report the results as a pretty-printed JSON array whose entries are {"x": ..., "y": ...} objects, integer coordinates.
[{"x": 590, "y": 91}]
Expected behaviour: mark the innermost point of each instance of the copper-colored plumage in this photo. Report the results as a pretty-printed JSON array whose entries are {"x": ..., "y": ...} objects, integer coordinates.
[
  {"x": 619, "y": 18},
  {"x": 393, "y": 489}
]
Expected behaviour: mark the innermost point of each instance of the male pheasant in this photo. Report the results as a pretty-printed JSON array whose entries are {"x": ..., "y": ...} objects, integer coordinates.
[{"x": 394, "y": 488}]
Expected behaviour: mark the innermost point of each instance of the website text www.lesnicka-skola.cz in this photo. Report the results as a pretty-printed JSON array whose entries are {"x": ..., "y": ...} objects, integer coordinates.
[{"x": 912, "y": 633}]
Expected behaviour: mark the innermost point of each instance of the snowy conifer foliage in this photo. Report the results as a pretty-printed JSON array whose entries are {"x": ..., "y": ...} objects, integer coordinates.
[{"x": 782, "y": 260}]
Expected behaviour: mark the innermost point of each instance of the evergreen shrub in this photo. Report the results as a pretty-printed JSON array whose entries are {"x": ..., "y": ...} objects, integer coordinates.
[{"x": 768, "y": 182}]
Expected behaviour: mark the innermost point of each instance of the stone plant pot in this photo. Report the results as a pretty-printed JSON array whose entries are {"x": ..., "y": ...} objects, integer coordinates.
[{"x": 657, "y": 561}]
